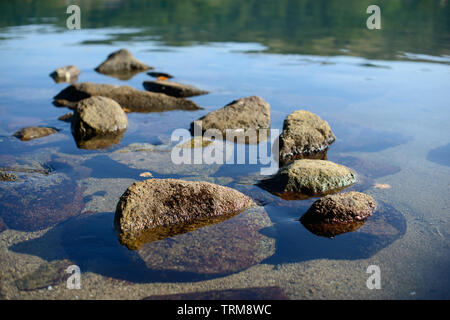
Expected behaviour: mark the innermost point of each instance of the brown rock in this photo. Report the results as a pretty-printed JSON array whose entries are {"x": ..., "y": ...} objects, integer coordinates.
[
  {"x": 305, "y": 178},
  {"x": 157, "y": 203},
  {"x": 4, "y": 176},
  {"x": 305, "y": 135},
  {"x": 130, "y": 99},
  {"x": 243, "y": 114},
  {"x": 30, "y": 133},
  {"x": 173, "y": 89},
  {"x": 65, "y": 74},
  {"x": 121, "y": 64},
  {"x": 66, "y": 117},
  {"x": 345, "y": 207},
  {"x": 160, "y": 75}
]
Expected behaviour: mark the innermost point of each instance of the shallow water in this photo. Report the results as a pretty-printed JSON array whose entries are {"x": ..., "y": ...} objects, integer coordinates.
[{"x": 384, "y": 93}]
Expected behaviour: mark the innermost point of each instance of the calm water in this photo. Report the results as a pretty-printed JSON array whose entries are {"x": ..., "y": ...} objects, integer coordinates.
[{"x": 384, "y": 93}]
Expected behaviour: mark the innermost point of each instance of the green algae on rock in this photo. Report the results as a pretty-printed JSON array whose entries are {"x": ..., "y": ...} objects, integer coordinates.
[
  {"x": 305, "y": 178},
  {"x": 156, "y": 203}
]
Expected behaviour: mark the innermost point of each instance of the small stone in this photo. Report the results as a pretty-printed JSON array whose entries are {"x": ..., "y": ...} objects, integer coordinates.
[
  {"x": 66, "y": 117},
  {"x": 305, "y": 135},
  {"x": 173, "y": 89},
  {"x": 66, "y": 74},
  {"x": 122, "y": 64},
  {"x": 340, "y": 208},
  {"x": 146, "y": 174},
  {"x": 9, "y": 177},
  {"x": 306, "y": 178},
  {"x": 30, "y": 133},
  {"x": 196, "y": 142}
]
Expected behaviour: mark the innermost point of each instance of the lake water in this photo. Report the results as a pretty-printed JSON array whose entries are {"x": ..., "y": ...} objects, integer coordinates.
[{"x": 385, "y": 94}]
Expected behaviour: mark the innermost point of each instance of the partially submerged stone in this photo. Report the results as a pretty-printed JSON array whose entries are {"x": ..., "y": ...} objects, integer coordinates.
[
  {"x": 156, "y": 203},
  {"x": 173, "y": 89},
  {"x": 306, "y": 178},
  {"x": 122, "y": 64},
  {"x": 237, "y": 117},
  {"x": 66, "y": 117},
  {"x": 66, "y": 74},
  {"x": 342, "y": 208},
  {"x": 98, "y": 116},
  {"x": 130, "y": 99},
  {"x": 305, "y": 135},
  {"x": 30, "y": 133}
]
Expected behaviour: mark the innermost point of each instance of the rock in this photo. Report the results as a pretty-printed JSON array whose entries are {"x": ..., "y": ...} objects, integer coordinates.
[
  {"x": 157, "y": 203},
  {"x": 66, "y": 117},
  {"x": 121, "y": 64},
  {"x": 39, "y": 201},
  {"x": 66, "y": 74},
  {"x": 98, "y": 142},
  {"x": 98, "y": 116},
  {"x": 223, "y": 248},
  {"x": 263, "y": 293},
  {"x": 331, "y": 230},
  {"x": 47, "y": 275},
  {"x": 30, "y": 133},
  {"x": 305, "y": 135},
  {"x": 173, "y": 89},
  {"x": 160, "y": 75},
  {"x": 440, "y": 155},
  {"x": 130, "y": 99},
  {"x": 4, "y": 176},
  {"x": 305, "y": 178},
  {"x": 245, "y": 113},
  {"x": 347, "y": 207}
]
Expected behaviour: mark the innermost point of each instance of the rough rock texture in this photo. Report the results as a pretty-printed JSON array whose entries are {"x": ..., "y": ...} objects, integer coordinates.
[
  {"x": 30, "y": 133},
  {"x": 227, "y": 247},
  {"x": 173, "y": 89},
  {"x": 166, "y": 202},
  {"x": 304, "y": 178},
  {"x": 98, "y": 116},
  {"x": 4, "y": 176},
  {"x": 65, "y": 74},
  {"x": 245, "y": 113},
  {"x": 130, "y": 99},
  {"x": 346, "y": 207},
  {"x": 305, "y": 135},
  {"x": 121, "y": 61}
]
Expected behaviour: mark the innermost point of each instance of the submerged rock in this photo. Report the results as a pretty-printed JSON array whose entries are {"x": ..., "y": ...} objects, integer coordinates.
[
  {"x": 347, "y": 207},
  {"x": 237, "y": 116},
  {"x": 305, "y": 135},
  {"x": 66, "y": 74},
  {"x": 98, "y": 116},
  {"x": 230, "y": 246},
  {"x": 39, "y": 201},
  {"x": 157, "y": 203},
  {"x": 263, "y": 293},
  {"x": 440, "y": 155},
  {"x": 122, "y": 64},
  {"x": 305, "y": 178},
  {"x": 4, "y": 176},
  {"x": 48, "y": 274},
  {"x": 130, "y": 99},
  {"x": 30, "y": 133},
  {"x": 173, "y": 89}
]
